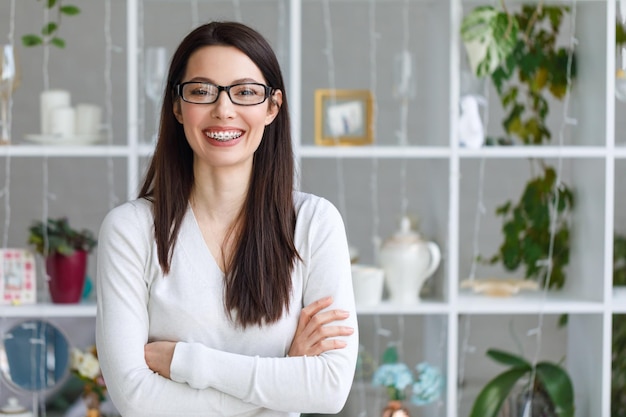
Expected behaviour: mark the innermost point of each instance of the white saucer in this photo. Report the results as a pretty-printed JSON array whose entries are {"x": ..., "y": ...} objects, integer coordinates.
[{"x": 63, "y": 140}]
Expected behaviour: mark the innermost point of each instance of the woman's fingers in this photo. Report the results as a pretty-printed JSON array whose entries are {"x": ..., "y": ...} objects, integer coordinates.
[
  {"x": 314, "y": 336},
  {"x": 315, "y": 307}
]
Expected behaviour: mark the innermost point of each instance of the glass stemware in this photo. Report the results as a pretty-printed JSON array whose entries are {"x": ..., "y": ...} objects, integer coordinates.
[
  {"x": 404, "y": 86},
  {"x": 9, "y": 81},
  {"x": 154, "y": 77}
]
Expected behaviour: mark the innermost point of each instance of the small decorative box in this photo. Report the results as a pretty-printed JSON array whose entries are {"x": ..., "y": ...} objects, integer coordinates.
[{"x": 18, "y": 284}]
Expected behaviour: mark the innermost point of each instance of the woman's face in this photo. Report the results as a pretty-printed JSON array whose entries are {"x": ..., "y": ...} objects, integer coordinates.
[{"x": 223, "y": 134}]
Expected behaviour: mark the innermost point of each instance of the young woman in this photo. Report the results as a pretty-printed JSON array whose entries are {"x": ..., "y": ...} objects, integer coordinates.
[{"x": 221, "y": 290}]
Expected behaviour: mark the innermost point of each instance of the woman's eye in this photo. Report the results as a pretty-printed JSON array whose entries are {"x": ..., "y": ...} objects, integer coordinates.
[{"x": 246, "y": 92}]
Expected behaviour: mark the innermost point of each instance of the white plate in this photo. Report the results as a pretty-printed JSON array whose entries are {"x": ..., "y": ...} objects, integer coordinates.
[{"x": 62, "y": 140}]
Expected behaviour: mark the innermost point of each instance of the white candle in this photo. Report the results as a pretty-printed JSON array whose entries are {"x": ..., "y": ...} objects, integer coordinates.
[
  {"x": 62, "y": 121},
  {"x": 88, "y": 119},
  {"x": 49, "y": 100}
]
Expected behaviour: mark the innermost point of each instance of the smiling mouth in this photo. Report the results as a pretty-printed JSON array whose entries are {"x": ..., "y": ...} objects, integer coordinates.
[{"x": 223, "y": 136}]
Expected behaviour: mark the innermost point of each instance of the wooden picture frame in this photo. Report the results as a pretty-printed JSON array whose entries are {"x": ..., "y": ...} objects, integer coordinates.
[{"x": 343, "y": 117}]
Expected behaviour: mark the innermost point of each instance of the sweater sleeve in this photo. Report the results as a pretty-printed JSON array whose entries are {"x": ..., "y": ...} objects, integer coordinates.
[
  {"x": 317, "y": 384},
  {"x": 122, "y": 325}
]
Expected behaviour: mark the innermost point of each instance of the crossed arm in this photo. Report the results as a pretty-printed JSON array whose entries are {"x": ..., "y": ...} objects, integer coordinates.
[{"x": 312, "y": 338}]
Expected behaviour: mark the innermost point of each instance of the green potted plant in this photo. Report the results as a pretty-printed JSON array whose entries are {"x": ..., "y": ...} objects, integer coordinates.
[
  {"x": 519, "y": 52},
  {"x": 547, "y": 383},
  {"x": 65, "y": 252}
]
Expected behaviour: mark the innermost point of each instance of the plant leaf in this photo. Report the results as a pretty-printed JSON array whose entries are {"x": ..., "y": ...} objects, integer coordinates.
[
  {"x": 507, "y": 358},
  {"x": 31, "y": 40},
  {"x": 69, "y": 10},
  {"x": 559, "y": 387},
  {"x": 58, "y": 42},
  {"x": 489, "y": 37},
  {"x": 491, "y": 397},
  {"x": 49, "y": 28}
]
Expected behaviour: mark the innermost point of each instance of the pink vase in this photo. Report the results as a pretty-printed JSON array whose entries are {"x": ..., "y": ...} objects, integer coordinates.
[{"x": 66, "y": 276}]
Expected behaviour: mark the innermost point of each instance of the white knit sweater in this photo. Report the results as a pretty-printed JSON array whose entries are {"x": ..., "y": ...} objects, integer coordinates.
[{"x": 218, "y": 369}]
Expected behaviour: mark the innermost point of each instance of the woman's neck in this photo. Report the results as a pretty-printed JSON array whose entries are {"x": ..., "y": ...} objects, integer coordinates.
[{"x": 219, "y": 194}]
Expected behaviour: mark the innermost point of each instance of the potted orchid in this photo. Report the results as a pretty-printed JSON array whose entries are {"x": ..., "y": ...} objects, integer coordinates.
[
  {"x": 422, "y": 387},
  {"x": 85, "y": 366}
]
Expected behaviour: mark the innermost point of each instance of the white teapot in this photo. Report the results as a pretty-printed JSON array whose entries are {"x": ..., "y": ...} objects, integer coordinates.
[{"x": 408, "y": 261}]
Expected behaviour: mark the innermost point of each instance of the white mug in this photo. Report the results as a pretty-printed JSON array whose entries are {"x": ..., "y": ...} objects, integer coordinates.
[
  {"x": 368, "y": 283},
  {"x": 88, "y": 119}
]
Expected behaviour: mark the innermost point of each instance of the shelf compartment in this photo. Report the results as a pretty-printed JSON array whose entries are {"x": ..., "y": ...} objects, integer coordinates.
[
  {"x": 504, "y": 180},
  {"x": 361, "y": 57}
]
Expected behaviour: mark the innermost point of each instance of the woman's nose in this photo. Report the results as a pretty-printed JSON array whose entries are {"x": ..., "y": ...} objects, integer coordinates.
[{"x": 223, "y": 108}]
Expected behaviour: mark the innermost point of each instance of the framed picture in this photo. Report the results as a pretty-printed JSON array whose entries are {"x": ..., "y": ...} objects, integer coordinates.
[
  {"x": 343, "y": 117},
  {"x": 18, "y": 283}
]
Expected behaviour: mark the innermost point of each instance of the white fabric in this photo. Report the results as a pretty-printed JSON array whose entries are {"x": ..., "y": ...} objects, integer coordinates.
[{"x": 218, "y": 369}]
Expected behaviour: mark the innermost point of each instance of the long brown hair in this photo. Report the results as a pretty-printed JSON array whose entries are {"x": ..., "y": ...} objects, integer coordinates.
[{"x": 258, "y": 276}]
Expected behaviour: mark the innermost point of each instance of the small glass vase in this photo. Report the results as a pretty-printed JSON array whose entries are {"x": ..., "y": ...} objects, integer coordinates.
[
  {"x": 395, "y": 408},
  {"x": 92, "y": 402}
]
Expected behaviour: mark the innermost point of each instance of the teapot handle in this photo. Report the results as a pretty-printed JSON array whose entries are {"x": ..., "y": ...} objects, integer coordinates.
[{"x": 435, "y": 258}]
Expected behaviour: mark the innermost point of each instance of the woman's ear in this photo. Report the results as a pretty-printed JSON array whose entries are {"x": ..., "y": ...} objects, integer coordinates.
[
  {"x": 276, "y": 101},
  {"x": 177, "y": 112}
]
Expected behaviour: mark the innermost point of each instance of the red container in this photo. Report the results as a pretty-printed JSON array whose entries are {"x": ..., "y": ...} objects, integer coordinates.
[{"x": 66, "y": 276}]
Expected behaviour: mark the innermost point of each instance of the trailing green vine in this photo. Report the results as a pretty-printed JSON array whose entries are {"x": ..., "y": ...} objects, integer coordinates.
[
  {"x": 527, "y": 230},
  {"x": 519, "y": 52},
  {"x": 49, "y": 31}
]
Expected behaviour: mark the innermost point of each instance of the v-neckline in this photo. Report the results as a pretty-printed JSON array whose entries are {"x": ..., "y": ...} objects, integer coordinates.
[{"x": 191, "y": 228}]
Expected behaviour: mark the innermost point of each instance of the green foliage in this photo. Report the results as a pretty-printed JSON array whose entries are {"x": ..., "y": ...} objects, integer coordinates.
[
  {"x": 527, "y": 229},
  {"x": 49, "y": 31},
  {"x": 620, "y": 34},
  {"x": 619, "y": 260},
  {"x": 534, "y": 68},
  {"x": 489, "y": 37},
  {"x": 550, "y": 378},
  {"x": 618, "y": 367},
  {"x": 618, "y": 357},
  {"x": 58, "y": 237},
  {"x": 528, "y": 64}
]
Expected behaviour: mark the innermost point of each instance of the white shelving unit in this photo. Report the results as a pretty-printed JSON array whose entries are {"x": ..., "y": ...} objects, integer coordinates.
[{"x": 591, "y": 153}]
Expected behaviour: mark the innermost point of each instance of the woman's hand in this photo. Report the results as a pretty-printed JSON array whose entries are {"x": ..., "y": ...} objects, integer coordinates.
[
  {"x": 312, "y": 336},
  {"x": 159, "y": 357}
]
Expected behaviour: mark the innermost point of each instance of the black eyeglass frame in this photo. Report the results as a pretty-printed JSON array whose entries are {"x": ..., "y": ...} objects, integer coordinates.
[{"x": 268, "y": 92}]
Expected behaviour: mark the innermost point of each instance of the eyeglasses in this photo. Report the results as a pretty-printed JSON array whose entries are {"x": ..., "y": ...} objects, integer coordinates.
[{"x": 244, "y": 94}]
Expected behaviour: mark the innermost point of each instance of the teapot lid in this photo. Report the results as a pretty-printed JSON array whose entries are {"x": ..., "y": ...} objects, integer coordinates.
[
  {"x": 404, "y": 235},
  {"x": 14, "y": 408}
]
